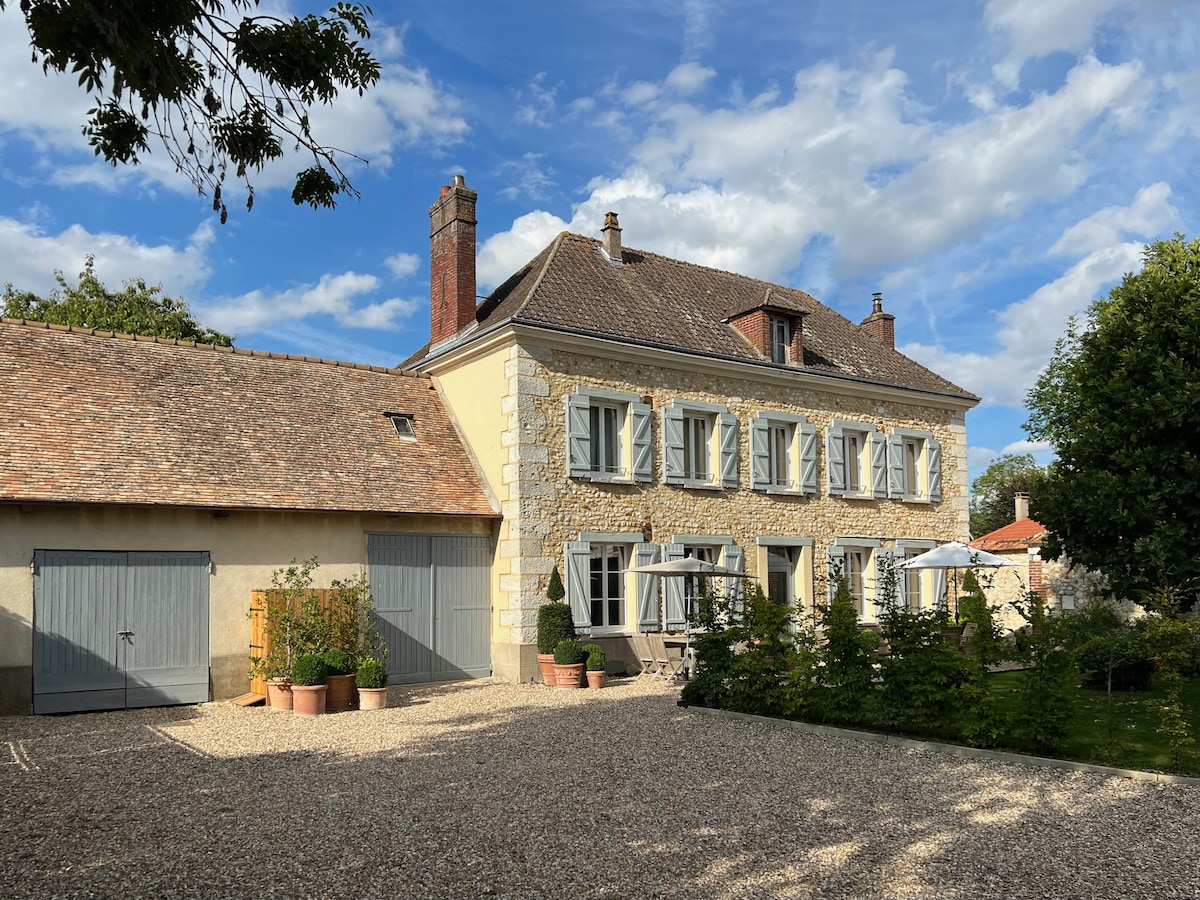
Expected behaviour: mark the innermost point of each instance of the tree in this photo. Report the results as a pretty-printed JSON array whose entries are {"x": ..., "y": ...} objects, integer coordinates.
[
  {"x": 993, "y": 492},
  {"x": 1120, "y": 403},
  {"x": 136, "y": 309},
  {"x": 223, "y": 94}
]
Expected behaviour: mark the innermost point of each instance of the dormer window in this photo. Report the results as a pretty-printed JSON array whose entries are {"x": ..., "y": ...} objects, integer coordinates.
[
  {"x": 403, "y": 426},
  {"x": 781, "y": 339}
]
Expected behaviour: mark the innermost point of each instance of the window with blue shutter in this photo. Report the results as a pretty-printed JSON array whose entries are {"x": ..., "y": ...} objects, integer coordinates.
[
  {"x": 933, "y": 453},
  {"x": 647, "y": 588},
  {"x": 643, "y": 445},
  {"x": 608, "y": 436},
  {"x": 783, "y": 453},
  {"x": 808, "y": 458},
  {"x": 735, "y": 588},
  {"x": 879, "y": 467},
  {"x": 672, "y": 429},
  {"x": 700, "y": 445},
  {"x": 577, "y": 564},
  {"x": 674, "y": 612},
  {"x": 727, "y": 426}
]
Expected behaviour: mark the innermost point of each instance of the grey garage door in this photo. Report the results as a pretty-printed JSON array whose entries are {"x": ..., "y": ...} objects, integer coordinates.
[
  {"x": 117, "y": 630},
  {"x": 433, "y": 603}
]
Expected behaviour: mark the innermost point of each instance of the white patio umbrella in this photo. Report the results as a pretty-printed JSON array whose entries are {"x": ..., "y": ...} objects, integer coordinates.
[
  {"x": 955, "y": 555},
  {"x": 687, "y": 565}
]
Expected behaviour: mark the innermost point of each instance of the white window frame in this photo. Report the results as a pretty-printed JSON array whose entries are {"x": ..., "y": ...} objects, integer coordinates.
[
  {"x": 634, "y": 586},
  {"x": 781, "y": 339},
  {"x": 633, "y": 444},
  {"x": 801, "y": 574},
  {"x": 799, "y": 453},
  {"x": 604, "y": 552},
  {"x": 926, "y": 580},
  {"x": 681, "y": 420},
  {"x": 868, "y": 548},
  {"x": 860, "y": 447}
]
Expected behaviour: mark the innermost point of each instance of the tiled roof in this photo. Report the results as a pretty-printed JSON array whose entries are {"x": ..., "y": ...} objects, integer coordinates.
[
  {"x": 657, "y": 301},
  {"x": 92, "y": 417},
  {"x": 1018, "y": 535}
]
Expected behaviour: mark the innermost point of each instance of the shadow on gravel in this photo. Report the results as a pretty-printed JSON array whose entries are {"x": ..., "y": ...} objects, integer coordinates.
[{"x": 474, "y": 790}]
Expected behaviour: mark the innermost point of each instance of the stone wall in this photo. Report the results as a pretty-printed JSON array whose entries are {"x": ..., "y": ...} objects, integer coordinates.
[{"x": 543, "y": 508}]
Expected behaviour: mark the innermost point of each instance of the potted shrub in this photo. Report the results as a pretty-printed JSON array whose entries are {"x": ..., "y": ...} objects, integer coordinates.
[
  {"x": 372, "y": 684},
  {"x": 554, "y": 623},
  {"x": 308, "y": 685},
  {"x": 340, "y": 693},
  {"x": 568, "y": 663},
  {"x": 595, "y": 665}
]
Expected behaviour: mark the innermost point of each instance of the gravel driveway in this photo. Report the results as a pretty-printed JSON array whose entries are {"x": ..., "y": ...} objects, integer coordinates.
[{"x": 513, "y": 791}]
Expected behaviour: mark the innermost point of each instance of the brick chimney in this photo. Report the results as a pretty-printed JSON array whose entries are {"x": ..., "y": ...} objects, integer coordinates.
[
  {"x": 610, "y": 236},
  {"x": 452, "y": 261},
  {"x": 880, "y": 325},
  {"x": 1022, "y": 504}
]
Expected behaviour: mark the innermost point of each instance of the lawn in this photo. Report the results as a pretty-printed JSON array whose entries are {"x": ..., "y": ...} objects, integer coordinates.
[{"x": 1122, "y": 732}]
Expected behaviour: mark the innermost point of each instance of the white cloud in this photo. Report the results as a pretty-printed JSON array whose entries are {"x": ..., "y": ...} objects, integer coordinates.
[
  {"x": 1027, "y": 446},
  {"x": 538, "y": 105},
  {"x": 1036, "y": 28},
  {"x": 332, "y": 295},
  {"x": 1150, "y": 213},
  {"x": 528, "y": 176},
  {"x": 29, "y": 255},
  {"x": 980, "y": 457},
  {"x": 688, "y": 78},
  {"x": 402, "y": 265},
  {"x": 501, "y": 254},
  {"x": 848, "y": 155}
]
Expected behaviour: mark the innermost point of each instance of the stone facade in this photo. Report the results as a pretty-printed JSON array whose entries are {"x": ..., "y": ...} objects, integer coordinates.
[{"x": 543, "y": 508}]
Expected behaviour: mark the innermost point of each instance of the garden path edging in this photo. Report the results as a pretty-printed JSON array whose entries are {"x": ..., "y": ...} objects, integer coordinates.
[{"x": 950, "y": 749}]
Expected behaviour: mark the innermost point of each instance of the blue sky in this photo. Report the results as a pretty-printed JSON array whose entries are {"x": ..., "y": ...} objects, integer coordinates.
[{"x": 992, "y": 167}]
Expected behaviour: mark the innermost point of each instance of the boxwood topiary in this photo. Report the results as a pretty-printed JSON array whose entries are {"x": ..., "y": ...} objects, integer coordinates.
[
  {"x": 309, "y": 670},
  {"x": 595, "y": 657},
  {"x": 554, "y": 624},
  {"x": 371, "y": 674},
  {"x": 568, "y": 653},
  {"x": 339, "y": 662}
]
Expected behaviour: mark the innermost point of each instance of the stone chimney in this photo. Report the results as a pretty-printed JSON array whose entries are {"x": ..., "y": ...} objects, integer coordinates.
[
  {"x": 610, "y": 237},
  {"x": 880, "y": 325},
  {"x": 1022, "y": 504},
  {"x": 452, "y": 261}
]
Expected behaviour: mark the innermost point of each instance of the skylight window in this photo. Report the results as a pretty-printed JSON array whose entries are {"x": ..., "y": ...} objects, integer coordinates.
[{"x": 404, "y": 427}]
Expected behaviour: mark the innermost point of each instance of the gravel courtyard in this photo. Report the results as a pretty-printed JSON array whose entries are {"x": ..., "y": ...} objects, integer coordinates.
[{"x": 513, "y": 791}]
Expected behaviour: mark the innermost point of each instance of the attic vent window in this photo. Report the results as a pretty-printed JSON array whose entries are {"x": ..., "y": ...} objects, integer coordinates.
[{"x": 404, "y": 427}]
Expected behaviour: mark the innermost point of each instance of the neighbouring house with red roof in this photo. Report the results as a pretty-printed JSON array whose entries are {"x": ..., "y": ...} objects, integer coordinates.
[
  {"x": 1020, "y": 542},
  {"x": 604, "y": 408}
]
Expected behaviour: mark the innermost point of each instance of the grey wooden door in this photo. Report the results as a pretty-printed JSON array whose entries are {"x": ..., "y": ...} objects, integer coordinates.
[
  {"x": 115, "y": 630},
  {"x": 433, "y": 604}
]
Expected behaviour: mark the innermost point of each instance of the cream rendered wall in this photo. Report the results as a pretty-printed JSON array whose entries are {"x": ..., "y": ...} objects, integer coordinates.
[{"x": 245, "y": 548}]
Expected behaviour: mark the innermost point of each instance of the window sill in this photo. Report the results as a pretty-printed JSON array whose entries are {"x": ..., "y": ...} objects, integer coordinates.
[
  {"x": 605, "y": 478},
  {"x": 783, "y": 492},
  {"x": 697, "y": 485},
  {"x": 912, "y": 498}
]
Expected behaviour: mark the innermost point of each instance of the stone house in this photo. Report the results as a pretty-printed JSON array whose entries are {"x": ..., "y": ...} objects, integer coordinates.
[
  {"x": 624, "y": 408},
  {"x": 148, "y": 486}
]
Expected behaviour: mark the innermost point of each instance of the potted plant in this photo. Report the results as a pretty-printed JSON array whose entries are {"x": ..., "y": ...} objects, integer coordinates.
[
  {"x": 308, "y": 685},
  {"x": 568, "y": 663},
  {"x": 595, "y": 665},
  {"x": 340, "y": 693},
  {"x": 372, "y": 684},
  {"x": 554, "y": 623}
]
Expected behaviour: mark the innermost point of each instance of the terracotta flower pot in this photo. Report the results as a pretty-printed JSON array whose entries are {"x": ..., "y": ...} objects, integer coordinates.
[
  {"x": 279, "y": 693},
  {"x": 596, "y": 679},
  {"x": 568, "y": 676},
  {"x": 341, "y": 693},
  {"x": 546, "y": 664},
  {"x": 372, "y": 698},
  {"x": 308, "y": 699}
]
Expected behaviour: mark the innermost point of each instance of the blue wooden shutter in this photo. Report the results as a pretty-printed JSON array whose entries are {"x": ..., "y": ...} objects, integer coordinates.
[
  {"x": 675, "y": 614},
  {"x": 835, "y": 564},
  {"x": 643, "y": 448},
  {"x": 579, "y": 438},
  {"x": 940, "y": 600},
  {"x": 895, "y": 460},
  {"x": 760, "y": 456},
  {"x": 672, "y": 426},
  {"x": 578, "y": 556},
  {"x": 835, "y": 460},
  {"x": 728, "y": 436},
  {"x": 647, "y": 587},
  {"x": 807, "y": 435},
  {"x": 886, "y": 557},
  {"x": 933, "y": 452},
  {"x": 735, "y": 588},
  {"x": 879, "y": 464}
]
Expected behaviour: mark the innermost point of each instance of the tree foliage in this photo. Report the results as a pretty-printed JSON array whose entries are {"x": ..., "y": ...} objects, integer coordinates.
[
  {"x": 136, "y": 309},
  {"x": 1120, "y": 403},
  {"x": 993, "y": 492},
  {"x": 222, "y": 88}
]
